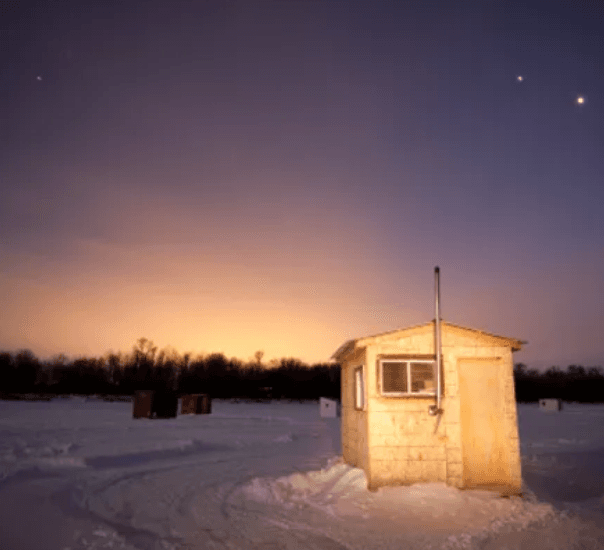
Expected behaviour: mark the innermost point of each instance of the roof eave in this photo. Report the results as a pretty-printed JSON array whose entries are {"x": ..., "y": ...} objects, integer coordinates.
[{"x": 345, "y": 349}]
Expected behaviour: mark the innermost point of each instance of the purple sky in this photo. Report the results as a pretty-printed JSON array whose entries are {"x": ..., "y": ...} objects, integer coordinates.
[{"x": 282, "y": 176}]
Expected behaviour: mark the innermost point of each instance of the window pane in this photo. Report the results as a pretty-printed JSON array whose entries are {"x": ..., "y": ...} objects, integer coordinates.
[
  {"x": 422, "y": 377},
  {"x": 394, "y": 376}
]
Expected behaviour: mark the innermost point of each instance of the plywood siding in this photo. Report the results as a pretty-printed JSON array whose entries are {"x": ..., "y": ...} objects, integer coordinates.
[
  {"x": 406, "y": 444},
  {"x": 354, "y": 422}
]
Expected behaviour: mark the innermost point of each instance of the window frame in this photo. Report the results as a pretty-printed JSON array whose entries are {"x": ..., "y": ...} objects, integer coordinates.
[
  {"x": 359, "y": 383},
  {"x": 430, "y": 359}
]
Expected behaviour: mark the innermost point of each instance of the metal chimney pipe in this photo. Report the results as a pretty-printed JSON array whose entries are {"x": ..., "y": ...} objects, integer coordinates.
[{"x": 436, "y": 409}]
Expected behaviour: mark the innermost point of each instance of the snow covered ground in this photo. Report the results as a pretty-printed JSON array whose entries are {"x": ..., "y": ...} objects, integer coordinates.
[{"x": 81, "y": 474}]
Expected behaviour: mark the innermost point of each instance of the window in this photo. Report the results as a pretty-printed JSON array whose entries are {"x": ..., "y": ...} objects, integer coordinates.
[
  {"x": 359, "y": 389},
  {"x": 407, "y": 377}
]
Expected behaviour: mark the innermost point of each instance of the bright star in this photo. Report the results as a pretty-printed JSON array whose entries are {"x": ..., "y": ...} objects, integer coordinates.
[
  {"x": 580, "y": 100},
  {"x": 519, "y": 78}
]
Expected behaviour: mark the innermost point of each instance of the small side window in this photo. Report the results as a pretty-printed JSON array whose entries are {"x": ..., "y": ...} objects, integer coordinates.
[{"x": 359, "y": 389}]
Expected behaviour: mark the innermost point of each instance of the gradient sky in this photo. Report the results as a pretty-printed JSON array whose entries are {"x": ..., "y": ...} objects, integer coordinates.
[{"x": 233, "y": 176}]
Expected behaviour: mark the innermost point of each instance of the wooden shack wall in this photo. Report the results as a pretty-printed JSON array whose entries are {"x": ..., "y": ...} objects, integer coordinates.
[
  {"x": 406, "y": 444},
  {"x": 354, "y": 422}
]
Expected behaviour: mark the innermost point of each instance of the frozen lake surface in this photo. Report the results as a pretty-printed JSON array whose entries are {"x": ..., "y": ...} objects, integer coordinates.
[{"x": 82, "y": 474}]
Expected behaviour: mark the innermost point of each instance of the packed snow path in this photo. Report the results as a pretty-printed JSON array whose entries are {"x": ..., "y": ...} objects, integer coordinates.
[{"x": 81, "y": 474}]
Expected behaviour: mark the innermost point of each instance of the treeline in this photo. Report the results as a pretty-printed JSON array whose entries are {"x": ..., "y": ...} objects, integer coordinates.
[
  {"x": 576, "y": 383},
  {"x": 146, "y": 368}
]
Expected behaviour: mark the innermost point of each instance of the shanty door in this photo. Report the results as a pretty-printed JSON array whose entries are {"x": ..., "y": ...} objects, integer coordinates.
[{"x": 483, "y": 429}]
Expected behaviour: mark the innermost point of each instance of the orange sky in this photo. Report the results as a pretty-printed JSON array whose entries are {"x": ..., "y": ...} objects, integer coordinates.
[{"x": 292, "y": 286}]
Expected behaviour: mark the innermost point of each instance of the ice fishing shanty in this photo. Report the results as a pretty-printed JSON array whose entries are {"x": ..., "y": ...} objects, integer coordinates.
[
  {"x": 550, "y": 405},
  {"x": 431, "y": 403}
]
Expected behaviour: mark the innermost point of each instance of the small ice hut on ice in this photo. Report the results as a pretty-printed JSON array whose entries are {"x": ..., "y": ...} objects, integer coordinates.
[
  {"x": 550, "y": 405},
  {"x": 400, "y": 429},
  {"x": 328, "y": 408}
]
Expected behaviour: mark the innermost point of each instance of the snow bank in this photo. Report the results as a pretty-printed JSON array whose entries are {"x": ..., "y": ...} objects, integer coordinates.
[{"x": 435, "y": 512}]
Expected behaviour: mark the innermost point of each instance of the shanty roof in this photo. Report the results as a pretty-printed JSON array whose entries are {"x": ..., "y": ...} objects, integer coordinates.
[{"x": 350, "y": 345}]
